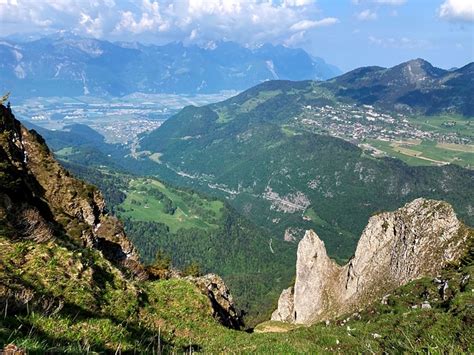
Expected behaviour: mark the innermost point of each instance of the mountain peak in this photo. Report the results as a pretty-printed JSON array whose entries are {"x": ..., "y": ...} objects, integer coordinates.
[
  {"x": 417, "y": 70},
  {"x": 417, "y": 64},
  {"x": 418, "y": 61}
]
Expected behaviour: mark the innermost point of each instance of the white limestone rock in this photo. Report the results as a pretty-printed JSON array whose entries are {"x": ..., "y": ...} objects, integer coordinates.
[{"x": 395, "y": 248}]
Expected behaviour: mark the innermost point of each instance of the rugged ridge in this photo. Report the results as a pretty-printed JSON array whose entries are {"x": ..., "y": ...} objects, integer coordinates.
[
  {"x": 395, "y": 248},
  {"x": 414, "y": 87},
  {"x": 66, "y": 64},
  {"x": 40, "y": 200}
]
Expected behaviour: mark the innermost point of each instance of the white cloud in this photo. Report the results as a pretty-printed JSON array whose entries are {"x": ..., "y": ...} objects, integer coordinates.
[
  {"x": 221, "y": 7},
  {"x": 150, "y": 19},
  {"x": 366, "y": 15},
  {"x": 194, "y": 34},
  {"x": 457, "y": 10},
  {"x": 246, "y": 21},
  {"x": 87, "y": 16},
  {"x": 295, "y": 38},
  {"x": 390, "y": 2},
  {"x": 92, "y": 26},
  {"x": 402, "y": 43},
  {"x": 308, "y": 24},
  {"x": 298, "y": 2}
]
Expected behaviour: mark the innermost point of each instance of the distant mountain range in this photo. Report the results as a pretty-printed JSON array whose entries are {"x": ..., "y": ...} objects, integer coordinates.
[{"x": 66, "y": 64}]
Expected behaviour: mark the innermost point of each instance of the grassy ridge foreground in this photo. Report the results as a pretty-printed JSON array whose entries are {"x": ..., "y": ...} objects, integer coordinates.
[{"x": 81, "y": 303}]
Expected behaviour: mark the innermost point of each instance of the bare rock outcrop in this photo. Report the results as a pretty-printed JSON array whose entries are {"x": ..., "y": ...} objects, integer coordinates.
[
  {"x": 222, "y": 302},
  {"x": 417, "y": 240}
]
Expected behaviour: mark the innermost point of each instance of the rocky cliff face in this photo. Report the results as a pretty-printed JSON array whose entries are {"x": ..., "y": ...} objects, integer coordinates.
[
  {"x": 418, "y": 239},
  {"x": 39, "y": 199}
]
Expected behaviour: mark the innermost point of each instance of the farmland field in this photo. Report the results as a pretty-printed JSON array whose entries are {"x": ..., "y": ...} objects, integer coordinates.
[
  {"x": 149, "y": 200},
  {"x": 428, "y": 152}
]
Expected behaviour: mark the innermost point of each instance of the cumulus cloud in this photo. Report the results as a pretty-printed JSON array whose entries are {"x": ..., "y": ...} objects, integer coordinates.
[
  {"x": 291, "y": 3},
  {"x": 150, "y": 19},
  {"x": 91, "y": 26},
  {"x": 366, "y": 15},
  {"x": 457, "y": 10},
  {"x": 245, "y": 21}
]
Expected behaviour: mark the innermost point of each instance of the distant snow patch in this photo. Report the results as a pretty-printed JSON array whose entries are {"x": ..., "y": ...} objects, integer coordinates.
[
  {"x": 17, "y": 54},
  {"x": 271, "y": 68}
]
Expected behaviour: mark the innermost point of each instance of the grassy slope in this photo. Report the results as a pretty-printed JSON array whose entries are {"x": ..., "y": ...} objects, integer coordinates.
[
  {"x": 109, "y": 313},
  {"x": 193, "y": 211}
]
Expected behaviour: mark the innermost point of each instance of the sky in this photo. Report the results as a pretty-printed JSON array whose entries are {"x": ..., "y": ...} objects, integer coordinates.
[{"x": 346, "y": 33}]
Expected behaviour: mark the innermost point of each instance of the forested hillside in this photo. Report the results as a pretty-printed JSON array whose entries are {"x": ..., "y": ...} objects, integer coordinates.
[{"x": 257, "y": 151}]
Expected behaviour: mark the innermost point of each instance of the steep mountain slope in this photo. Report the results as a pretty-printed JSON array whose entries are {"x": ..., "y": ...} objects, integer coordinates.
[
  {"x": 254, "y": 150},
  {"x": 63, "y": 254},
  {"x": 417, "y": 240},
  {"x": 40, "y": 200},
  {"x": 88, "y": 66}
]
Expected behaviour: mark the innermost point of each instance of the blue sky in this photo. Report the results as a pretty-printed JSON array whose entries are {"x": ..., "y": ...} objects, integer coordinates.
[{"x": 347, "y": 33}]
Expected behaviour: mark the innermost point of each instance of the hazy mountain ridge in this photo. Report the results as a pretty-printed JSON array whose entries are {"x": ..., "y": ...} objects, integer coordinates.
[{"x": 90, "y": 66}]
